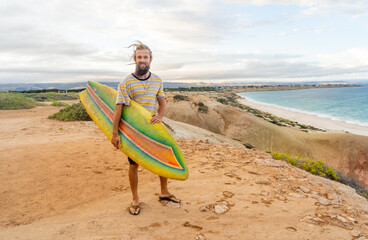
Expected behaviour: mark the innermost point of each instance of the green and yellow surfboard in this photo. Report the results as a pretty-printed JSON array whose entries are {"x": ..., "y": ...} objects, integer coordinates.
[{"x": 150, "y": 145}]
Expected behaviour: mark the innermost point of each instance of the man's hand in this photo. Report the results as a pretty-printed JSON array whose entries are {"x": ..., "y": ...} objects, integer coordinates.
[
  {"x": 156, "y": 118},
  {"x": 115, "y": 140}
]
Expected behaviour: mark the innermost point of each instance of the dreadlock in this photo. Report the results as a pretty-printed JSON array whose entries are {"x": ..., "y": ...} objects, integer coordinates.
[{"x": 140, "y": 46}]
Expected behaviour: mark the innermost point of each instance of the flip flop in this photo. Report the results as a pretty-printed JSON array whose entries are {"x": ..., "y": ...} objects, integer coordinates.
[
  {"x": 135, "y": 207},
  {"x": 169, "y": 198}
]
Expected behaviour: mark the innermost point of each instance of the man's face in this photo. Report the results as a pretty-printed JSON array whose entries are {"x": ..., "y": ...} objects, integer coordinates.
[{"x": 142, "y": 60}]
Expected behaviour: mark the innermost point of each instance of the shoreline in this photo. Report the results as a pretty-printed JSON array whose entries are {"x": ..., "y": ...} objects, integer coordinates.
[{"x": 330, "y": 125}]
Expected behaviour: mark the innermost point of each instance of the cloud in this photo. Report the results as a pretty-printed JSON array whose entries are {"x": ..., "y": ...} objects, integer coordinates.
[
  {"x": 353, "y": 8},
  {"x": 351, "y": 58},
  {"x": 191, "y": 40}
]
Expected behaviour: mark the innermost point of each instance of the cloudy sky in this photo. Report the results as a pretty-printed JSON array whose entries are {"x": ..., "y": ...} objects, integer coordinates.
[{"x": 191, "y": 40}]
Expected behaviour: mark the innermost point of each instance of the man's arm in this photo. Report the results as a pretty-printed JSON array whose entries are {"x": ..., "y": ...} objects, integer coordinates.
[
  {"x": 161, "y": 111},
  {"x": 115, "y": 140}
]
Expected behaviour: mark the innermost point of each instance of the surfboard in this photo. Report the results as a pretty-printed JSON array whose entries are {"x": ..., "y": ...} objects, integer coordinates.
[{"x": 150, "y": 145}]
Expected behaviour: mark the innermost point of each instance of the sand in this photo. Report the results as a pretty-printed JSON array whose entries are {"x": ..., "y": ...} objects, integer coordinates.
[
  {"x": 309, "y": 119},
  {"x": 64, "y": 180}
]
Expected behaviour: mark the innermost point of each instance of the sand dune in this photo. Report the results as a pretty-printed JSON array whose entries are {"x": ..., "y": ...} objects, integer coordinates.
[{"x": 65, "y": 181}]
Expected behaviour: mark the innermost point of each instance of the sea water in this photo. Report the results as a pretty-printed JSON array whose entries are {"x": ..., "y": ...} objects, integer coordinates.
[{"x": 349, "y": 104}]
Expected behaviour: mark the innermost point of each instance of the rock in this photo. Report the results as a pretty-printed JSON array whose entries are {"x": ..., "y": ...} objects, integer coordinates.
[
  {"x": 269, "y": 163},
  {"x": 282, "y": 198},
  {"x": 266, "y": 201},
  {"x": 231, "y": 204},
  {"x": 305, "y": 189},
  {"x": 315, "y": 196},
  {"x": 342, "y": 219},
  {"x": 199, "y": 237},
  {"x": 219, "y": 209},
  {"x": 313, "y": 220},
  {"x": 355, "y": 233},
  {"x": 264, "y": 194},
  {"x": 263, "y": 182},
  {"x": 172, "y": 204},
  {"x": 300, "y": 191},
  {"x": 228, "y": 194},
  {"x": 291, "y": 229},
  {"x": 296, "y": 195},
  {"x": 352, "y": 220},
  {"x": 205, "y": 208},
  {"x": 280, "y": 177},
  {"x": 334, "y": 197},
  {"x": 324, "y": 201}
]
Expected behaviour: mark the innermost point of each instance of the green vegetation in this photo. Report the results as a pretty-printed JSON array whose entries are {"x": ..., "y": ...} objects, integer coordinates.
[
  {"x": 313, "y": 166},
  {"x": 52, "y": 96},
  {"x": 75, "y": 112},
  {"x": 180, "y": 97},
  {"x": 12, "y": 101},
  {"x": 59, "y": 104},
  {"x": 201, "y": 107},
  {"x": 49, "y": 90},
  {"x": 30, "y": 99},
  {"x": 195, "y": 89}
]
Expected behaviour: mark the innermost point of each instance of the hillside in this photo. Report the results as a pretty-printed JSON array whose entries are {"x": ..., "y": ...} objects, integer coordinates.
[
  {"x": 345, "y": 152},
  {"x": 64, "y": 180}
]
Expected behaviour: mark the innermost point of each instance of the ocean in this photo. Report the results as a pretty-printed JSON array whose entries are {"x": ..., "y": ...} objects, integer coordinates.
[{"x": 349, "y": 104}]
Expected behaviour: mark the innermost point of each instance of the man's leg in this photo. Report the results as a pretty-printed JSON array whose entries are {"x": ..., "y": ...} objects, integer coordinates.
[
  {"x": 133, "y": 180},
  {"x": 165, "y": 192}
]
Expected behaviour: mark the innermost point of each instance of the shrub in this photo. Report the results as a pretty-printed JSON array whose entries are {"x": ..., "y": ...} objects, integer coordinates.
[
  {"x": 75, "y": 112},
  {"x": 12, "y": 101},
  {"x": 221, "y": 100},
  {"x": 201, "y": 107},
  {"x": 179, "y": 97},
  {"x": 315, "y": 167},
  {"x": 52, "y": 96}
]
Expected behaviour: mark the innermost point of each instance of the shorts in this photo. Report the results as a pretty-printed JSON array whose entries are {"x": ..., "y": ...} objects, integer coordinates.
[{"x": 131, "y": 161}]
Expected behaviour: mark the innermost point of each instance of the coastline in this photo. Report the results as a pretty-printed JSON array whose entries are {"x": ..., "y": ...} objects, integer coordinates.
[{"x": 330, "y": 125}]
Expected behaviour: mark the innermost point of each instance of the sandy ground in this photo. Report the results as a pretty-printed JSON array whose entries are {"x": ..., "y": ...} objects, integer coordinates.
[
  {"x": 309, "y": 119},
  {"x": 64, "y": 180}
]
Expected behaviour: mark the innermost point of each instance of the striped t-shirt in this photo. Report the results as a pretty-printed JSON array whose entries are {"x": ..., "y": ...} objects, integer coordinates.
[{"x": 143, "y": 91}]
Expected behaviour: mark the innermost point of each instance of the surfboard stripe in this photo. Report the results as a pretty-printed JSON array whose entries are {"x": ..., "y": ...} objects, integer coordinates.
[{"x": 158, "y": 151}]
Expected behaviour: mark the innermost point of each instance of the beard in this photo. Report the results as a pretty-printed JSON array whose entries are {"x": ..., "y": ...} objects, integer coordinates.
[{"x": 141, "y": 71}]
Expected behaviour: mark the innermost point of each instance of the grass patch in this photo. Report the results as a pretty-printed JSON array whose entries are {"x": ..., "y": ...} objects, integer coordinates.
[
  {"x": 75, "y": 112},
  {"x": 201, "y": 107},
  {"x": 180, "y": 97},
  {"x": 315, "y": 167},
  {"x": 59, "y": 104},
  {"x": 51, "y": 96},
  {"x": 13, "y": 101}
]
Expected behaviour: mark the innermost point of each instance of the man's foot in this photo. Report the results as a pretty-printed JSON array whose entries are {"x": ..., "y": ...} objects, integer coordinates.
[
  {"x": 134, "y": 209},
  {"x": 170, "y": 198}
]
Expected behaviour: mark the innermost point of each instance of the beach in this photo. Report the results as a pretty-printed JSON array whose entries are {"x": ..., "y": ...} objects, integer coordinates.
[{"x": 330, "y": 125}]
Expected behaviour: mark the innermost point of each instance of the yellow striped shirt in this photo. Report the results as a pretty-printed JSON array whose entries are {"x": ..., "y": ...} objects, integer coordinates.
[{"x": 143, "y": 91}]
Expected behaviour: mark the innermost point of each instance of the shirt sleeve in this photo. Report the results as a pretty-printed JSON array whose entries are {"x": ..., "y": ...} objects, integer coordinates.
[
  {"x": 122, "y": 97},
  {"x": 160, "y": 92}
]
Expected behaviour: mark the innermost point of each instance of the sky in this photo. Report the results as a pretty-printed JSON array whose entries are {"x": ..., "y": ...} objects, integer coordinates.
[{"x": 212, "y": 41}]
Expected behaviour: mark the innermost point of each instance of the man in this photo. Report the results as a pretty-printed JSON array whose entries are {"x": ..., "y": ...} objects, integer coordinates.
[{"x": 145, "y": 88}]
